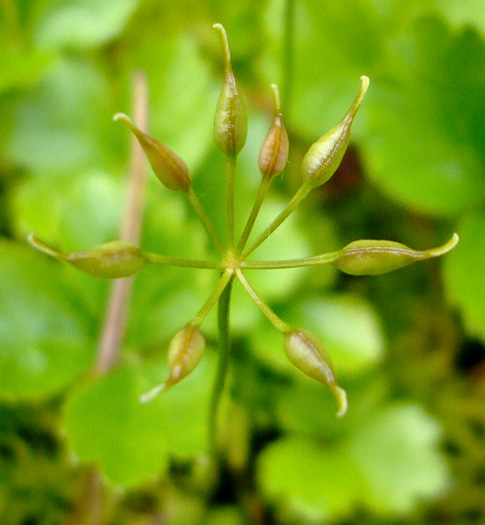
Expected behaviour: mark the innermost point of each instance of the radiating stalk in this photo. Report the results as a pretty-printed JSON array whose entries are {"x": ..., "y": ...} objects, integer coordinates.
[
  {"x": 262, "y": 192},
  {"x": 209, "y": 228},
  {"x": 276, "y": 321},
  {"x": 214, "y": 296},
  {"x": 167, "y": 260},
  {"x": 317, "y": 260},
  {"x": 301, "y": 194}
]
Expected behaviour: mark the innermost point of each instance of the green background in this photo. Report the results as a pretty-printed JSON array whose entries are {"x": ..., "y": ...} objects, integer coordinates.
[{"x": 408, "y": 346}]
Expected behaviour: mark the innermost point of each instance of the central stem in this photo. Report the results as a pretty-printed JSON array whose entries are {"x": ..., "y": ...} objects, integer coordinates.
[{"x": 223, "y": 365}]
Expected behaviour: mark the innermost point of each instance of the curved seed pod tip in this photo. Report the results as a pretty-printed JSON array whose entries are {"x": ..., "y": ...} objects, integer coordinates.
[
  {"x": 370, "y": 257},
  {"x": 184, "y": 354},
  {"x": 43, "y": 247},
  {"x": 231, "y": 119},
  {"x": 324, "y": 156},
  {"x": 274, "y": 152},
  {"x": 112, "y": 260},
  {"x": 169, "y": 168},
  {"x": 309, "y": 356}
]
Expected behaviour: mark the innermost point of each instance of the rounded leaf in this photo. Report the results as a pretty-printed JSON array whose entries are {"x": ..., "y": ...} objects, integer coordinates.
[
  {"x": 130, "y": 441},
  {"x": 44, "y": 328},
  {"x": 465, "y": 275}
]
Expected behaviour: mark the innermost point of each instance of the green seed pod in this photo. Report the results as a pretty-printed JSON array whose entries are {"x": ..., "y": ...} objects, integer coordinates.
[
  {"x": 369, "y": 257},
  {"x": 309, "y": 356},
  {"x": 170, "y": 169},
  {"x": 324, "y": 156},
  {"x": 231, "y": 120},
  {"x": 184, "y": 354},
  {"x": 112, "y": 260},
  {"x": 274, "y": 152}
]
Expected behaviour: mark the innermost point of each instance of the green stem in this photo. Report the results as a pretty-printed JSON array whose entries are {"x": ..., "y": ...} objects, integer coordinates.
[
  {"x": 199, "y": 210},
  {"x": 301, "y": 194},
  {"x": 276, "y": 321},
  {"x": 318, "y": 260},
  {"x": 230, "y": 171},
  {"x": 211, "y": 301},
  {"x": 223, "y": 365},
  {"x": 262, "y": 192},
  {"x": 156, "y": 258}
]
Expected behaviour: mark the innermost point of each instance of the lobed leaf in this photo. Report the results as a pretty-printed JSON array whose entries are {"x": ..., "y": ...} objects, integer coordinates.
[
  {"x": 131, "y": 442},
  {"x": 46, "y": 335},
  {"x": 464, "y": 273},
  {"x": 387, "y": 465}
]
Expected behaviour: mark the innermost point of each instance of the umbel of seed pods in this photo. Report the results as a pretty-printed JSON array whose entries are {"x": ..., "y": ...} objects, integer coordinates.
[{"x": 119, "y": 259}]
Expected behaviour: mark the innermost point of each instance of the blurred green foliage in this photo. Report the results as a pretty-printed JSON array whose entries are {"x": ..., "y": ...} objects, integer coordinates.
[{"x": 408, "y": 346}]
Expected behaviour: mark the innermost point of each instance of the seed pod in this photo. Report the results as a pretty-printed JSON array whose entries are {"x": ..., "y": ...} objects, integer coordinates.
[
  {"x": 274, "y": 152},
  {"x": 324, "y": 156},
  {"x": 309, "y": 356},
  {"x": 170, "y": 169},
  {"x": 112, "y": 260},
  {"x": 231, "y": 120},
  {"x": 184, "y": 354},
  {"x": 370, "y": 257}
]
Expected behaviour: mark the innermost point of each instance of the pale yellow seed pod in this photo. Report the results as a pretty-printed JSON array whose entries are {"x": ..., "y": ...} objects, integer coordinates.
[
  {"x": 324, "y": 156},
  {"x": 184, "y": 354},
  {"x": 371, "y": 257},
  {"x": 231, "y": 119},
  {"x": 112, "y": 260},
  {"x": 308, "y": 355},
  {"x": 274, "y": 152},
  {"x": 169, "y": 168}
]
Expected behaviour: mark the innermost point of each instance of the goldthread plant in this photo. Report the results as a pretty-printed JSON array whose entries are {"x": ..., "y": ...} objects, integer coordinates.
[{"x": 119, "y": 259}]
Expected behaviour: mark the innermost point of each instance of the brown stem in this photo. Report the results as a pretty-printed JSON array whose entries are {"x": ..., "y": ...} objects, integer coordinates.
[
  {"x": 89, "y": 508},
  {"x": 115, "y": 322}
]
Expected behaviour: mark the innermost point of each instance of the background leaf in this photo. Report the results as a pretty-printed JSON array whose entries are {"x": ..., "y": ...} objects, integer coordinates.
[
  {"x": 431, "y": 156},
  {"x": 396, "y": 454},
  {"x": 46, "y": 337},
  {"x": 388, "y": 463},
  {"x": 465, "y": 280},
  {"x": 304, "y": 479},
  {"x": 107, "y": 424},
  {"x": 82, "y": 24},
  {"x": 59, "y": 125}
]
